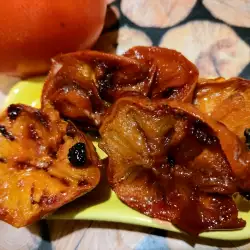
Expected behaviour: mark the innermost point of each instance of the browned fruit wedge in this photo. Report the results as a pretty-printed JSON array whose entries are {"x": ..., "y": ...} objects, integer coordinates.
[
  {"x": 175, "y": 77},
  {"x": 82, "y": 85},
  {"x": 166, "y": 160},
  {"x": 227, "y": 101},
  {"x": 36, "y": 176}
]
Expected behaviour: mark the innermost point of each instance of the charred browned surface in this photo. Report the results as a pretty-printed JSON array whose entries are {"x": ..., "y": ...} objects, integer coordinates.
[
  {"x": 174, "y": 76},
  {"x": 227, "y": 101},
  {"x": 36, "y": 176},
  {"x": 167, "y": 159},
  {"x": 82, "y": 85}
]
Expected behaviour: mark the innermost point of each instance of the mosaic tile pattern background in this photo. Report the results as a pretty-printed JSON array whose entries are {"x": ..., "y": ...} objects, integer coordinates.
[{"x": 215, "y": 35}]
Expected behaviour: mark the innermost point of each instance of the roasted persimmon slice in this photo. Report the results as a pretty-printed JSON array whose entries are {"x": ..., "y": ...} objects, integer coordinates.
[
  {"x": 175, "y": 76},
  {"x": 80, "y": 85},
  {"x": 166, "y": 161},
  {"x": 227, "y": 101},
  {"x": 45, "y": 163}
]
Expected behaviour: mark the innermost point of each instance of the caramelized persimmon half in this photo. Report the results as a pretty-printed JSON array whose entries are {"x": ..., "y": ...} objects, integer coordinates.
[
  {"x": 36, "y": 176},
  {"x": 170, "y": 161},
  {"x": 82, "y": 85}
]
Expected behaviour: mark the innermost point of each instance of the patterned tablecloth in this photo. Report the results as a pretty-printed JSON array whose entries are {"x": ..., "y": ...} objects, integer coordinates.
[{"x": 215, "y": 35}]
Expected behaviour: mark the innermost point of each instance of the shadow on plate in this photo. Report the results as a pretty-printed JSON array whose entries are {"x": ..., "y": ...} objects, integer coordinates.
[
  {"x": 242, "y": 204},
  {"x": 192, "y": 241}
]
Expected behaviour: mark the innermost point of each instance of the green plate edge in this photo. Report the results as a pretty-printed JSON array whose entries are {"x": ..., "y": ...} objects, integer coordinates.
[{"x": 102, "y": 204}]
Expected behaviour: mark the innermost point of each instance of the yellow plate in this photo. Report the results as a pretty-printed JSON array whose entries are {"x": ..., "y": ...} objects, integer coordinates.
[{"x": 102, "y": 204}]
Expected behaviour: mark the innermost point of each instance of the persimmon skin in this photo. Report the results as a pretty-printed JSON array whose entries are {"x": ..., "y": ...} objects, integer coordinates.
[{"x": 31, "y": 32}]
